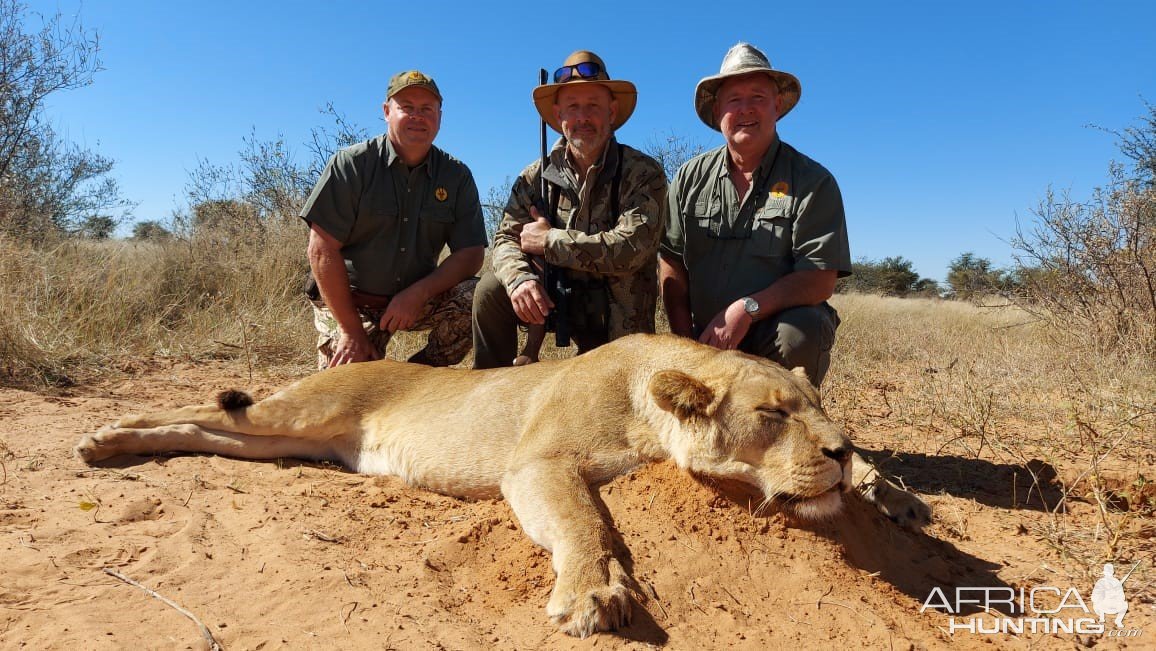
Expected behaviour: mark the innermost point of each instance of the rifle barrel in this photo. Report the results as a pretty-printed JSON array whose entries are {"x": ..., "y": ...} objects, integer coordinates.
[{"x": 543, "y": 77}]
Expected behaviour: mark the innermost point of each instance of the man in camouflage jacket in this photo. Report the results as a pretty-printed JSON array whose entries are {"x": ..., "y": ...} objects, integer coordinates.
[{"x": 610, "y": 204}]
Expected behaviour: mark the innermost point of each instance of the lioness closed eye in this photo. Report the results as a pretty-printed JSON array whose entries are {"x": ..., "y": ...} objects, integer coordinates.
[{"x": 544, "y": 436}]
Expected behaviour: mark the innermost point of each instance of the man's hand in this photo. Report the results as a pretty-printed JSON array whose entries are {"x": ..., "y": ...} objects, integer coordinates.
[
  {"x": 533, "y": 235},
  {"x": 531, "y": 302},
  {"x": 356, "y": 348},
  {"x": 404, "y": 309},
  {"x": 727, "y": 329}
]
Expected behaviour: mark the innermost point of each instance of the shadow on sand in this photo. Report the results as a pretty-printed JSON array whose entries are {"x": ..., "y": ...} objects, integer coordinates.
[
  {"x": 911, "y": 561},
  {"x": 1034, "y": 485}
]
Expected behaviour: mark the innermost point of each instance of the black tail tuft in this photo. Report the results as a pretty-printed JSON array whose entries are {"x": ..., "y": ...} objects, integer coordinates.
[{"x": 233, "y": 399}]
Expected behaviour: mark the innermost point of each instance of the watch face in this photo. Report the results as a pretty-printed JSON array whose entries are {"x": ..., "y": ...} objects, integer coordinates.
[{"x": 751, "y": 305}]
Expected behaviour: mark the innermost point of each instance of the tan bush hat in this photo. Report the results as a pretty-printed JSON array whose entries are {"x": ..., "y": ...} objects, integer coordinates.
[
  {"x": 409, "y": 79},
  {"x": 583, "y": 67},
  {"x": 742, "y": 59}
]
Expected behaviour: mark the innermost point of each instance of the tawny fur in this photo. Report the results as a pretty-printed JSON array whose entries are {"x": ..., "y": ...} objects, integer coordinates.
[{"x": 544, "y": 436}]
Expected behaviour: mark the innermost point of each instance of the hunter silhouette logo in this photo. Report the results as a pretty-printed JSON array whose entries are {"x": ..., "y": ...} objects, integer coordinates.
[{"x": 1108, "y": 596}]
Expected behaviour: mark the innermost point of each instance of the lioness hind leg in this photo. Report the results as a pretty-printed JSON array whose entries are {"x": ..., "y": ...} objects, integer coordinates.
[
  {"x": 557, "y": 509},
  {"x": 901, "y": 506},
  {"x": 109, "y": 442},
  {"x": 299, "y": 413}
]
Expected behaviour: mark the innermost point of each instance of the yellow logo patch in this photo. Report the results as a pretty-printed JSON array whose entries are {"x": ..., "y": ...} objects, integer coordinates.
[
  {"x": 416, "y": 76},
  {"x": 441, "y": 194},
  {"x": 780, "y": 189}
]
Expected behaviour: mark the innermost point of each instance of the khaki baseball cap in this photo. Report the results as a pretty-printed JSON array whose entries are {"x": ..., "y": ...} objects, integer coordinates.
[{"x": 409, "y": 79}]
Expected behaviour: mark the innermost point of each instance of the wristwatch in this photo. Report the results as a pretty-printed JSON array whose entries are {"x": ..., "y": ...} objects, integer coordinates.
[{"x": 752, "y": 307}]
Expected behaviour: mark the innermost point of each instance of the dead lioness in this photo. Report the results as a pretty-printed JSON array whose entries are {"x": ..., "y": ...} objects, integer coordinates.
[{"x": 544, "y": 437}]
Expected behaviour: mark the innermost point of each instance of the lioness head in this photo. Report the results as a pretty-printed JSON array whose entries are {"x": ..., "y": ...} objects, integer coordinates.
[{"x": 748, "y": 419}]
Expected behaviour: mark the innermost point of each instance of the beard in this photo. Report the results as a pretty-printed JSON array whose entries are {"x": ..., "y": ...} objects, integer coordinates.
[{"x": 587, "y": 143}]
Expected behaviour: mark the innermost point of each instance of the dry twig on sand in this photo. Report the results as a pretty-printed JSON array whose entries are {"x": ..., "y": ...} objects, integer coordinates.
[{"x": 205, "y": 633}]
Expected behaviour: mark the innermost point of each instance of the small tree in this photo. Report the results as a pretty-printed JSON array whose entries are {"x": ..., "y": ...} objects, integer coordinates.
[
  {"x": 671, "y": 151},
  {"x": 971, "y": 276},
  {"x": 47, "y": 185},
  {"x": 150, "y": 230},
  {"x": 267, "y": 184},
  {"x": 97, "y": 227},
  {"x": 1090, "y": 268},
  {"x": 892, "y": 276},
  {"x": 494, "y": 205},
  {"x": 324, "y": 141}
]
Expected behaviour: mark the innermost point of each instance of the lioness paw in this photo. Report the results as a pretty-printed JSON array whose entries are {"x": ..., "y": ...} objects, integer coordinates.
[
  {"x": 602, "y": 609},
  {"x": 900, "y": 506},
  {"x": 97, "y": 446}
]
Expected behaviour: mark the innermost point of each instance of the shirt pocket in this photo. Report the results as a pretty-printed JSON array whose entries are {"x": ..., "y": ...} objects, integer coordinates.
[
  {"x": 771, "y": 233},
  {"x": 437, "y": 222},
  {"x": 705, "y": 216},
  {"x": 377, "y": 213}
]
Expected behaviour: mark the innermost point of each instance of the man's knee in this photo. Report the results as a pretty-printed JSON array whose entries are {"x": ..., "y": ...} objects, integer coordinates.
[
  {"x": 490, "y": 294},
  {"x": 495, "y": 326},
  {"x": 461, "y": 296},
  {"x": 798, "y": 336}
]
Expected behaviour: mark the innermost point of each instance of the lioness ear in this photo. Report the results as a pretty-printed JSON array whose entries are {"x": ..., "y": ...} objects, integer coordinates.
[{"x": 680, "y": 394}]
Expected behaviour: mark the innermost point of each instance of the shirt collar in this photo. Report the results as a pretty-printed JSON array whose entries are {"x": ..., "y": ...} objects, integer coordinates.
[
  {"x": 391, "y": 156},
  {"x": 563, "y": 168},
  {"x": 769, "y": 158},
  {"x": 765, "y": 164}
]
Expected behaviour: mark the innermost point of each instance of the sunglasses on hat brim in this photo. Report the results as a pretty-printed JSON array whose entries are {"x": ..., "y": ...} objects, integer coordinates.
[{"x": 584, "y": 70}]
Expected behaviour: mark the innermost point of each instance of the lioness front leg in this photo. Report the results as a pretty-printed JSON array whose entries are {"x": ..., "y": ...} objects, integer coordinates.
[
  {"x": 901, "y": 506},
  {"x": 558, "y": 510}
]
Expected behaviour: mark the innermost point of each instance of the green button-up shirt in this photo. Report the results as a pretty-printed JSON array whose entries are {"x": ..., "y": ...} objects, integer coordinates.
[
  {"x": 393, "y": 222},
  {"x": 791, "y": 220}
]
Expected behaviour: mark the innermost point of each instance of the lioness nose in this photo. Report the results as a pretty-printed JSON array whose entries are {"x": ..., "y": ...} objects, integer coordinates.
[{"x": 840, "y": 454}]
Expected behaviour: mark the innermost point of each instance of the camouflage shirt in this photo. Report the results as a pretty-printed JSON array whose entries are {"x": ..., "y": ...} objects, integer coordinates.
[{"x": 587, "y": 239}]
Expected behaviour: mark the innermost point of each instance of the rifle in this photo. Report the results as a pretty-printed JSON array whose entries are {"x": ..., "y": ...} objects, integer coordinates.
[{"x": 553, "y": 279}]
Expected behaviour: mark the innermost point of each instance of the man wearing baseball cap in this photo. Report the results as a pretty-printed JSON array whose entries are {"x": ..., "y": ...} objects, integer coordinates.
[
  {"x": 378, "y": 218},
  {"x": 610, "y": 202},
  {"x": 756, "y": 235}
]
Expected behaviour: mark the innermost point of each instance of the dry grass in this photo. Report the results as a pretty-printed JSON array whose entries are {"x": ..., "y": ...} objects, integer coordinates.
[
  {"x": 76, "y": 307},
  {"x": 978, "y": 391}
]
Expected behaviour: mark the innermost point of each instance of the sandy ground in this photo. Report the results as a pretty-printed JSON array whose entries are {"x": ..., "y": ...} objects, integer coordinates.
[{"x": 272, "y": 555}]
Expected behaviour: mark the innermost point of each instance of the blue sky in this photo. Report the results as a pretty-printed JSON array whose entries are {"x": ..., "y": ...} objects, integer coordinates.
[{"x": 942, "y": 122}]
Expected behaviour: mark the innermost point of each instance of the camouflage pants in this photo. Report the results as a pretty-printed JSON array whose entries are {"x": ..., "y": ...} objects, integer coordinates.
[{"x": 446, "y": 316}]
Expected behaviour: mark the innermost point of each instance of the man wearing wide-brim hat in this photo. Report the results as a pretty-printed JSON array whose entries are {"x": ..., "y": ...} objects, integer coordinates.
[
  {"x": 756, "y": 235},
  {"x": 609, "y": 202}
]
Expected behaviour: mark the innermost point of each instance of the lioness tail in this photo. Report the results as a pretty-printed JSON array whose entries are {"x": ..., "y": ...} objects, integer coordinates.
[{"x": 233, "y": 399}]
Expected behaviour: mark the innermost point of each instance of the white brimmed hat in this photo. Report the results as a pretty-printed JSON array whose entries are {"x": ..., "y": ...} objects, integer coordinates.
[{"x": 743, "y": 59}]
